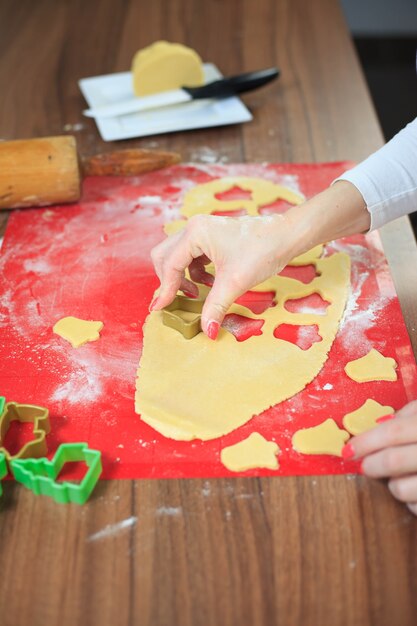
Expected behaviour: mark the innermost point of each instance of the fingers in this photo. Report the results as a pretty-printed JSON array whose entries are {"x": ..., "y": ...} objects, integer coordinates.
[
  {"x": 391, "y": 462},
  {"x": 162, "y": 250},
  {"x": 222, "y": 295},
  {"x": 170, "y": 259},
  {"x": 404, "y": 489},
  {"x": 390, "y": 451},
  {"x": 413, "y": 508},
  {"x": 396, "y": 432}
]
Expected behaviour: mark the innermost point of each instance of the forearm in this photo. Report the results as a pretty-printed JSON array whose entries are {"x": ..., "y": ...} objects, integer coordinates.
[
  {"x": 380, "y": 189},
  {"x": 339, "y": 211},
  {"x": 387, "y": 179}
]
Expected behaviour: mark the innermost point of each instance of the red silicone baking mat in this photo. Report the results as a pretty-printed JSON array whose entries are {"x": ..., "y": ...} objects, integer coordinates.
[{"x": 91, "y": 260}]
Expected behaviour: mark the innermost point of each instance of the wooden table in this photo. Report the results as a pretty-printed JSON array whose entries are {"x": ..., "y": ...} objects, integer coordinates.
[{"x": 332, "y": 550}]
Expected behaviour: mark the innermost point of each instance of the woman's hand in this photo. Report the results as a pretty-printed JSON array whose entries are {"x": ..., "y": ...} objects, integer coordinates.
[
  {"x": 390, "y": 451},
  {"x": 245, "y": 251}
]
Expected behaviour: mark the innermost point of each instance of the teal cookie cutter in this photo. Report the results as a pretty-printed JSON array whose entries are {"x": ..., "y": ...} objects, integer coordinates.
[
  {"x": 3, "y": 470},
  {"x": 39, "y": 475}
]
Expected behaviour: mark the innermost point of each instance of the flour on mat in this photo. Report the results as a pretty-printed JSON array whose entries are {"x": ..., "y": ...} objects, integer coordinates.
[
  {"x": 356, "y": 320},
  {"x": 39, "y": 266}
]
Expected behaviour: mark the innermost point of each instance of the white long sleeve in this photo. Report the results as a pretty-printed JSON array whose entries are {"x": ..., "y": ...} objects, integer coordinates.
[{"x": 387, "y": 179}]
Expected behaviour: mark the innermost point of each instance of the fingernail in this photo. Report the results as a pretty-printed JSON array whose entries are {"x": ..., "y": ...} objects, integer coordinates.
[
  {"x": 153, "y": 304},
  {"x": 385, "y": 418},
  {"x": 348, "y": 453},
  {"x": 213, "y": 330},
  {"x": 189, "y": 294}
]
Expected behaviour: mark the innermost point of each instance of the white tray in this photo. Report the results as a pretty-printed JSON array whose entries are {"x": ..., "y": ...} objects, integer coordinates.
[{"x": 103, "y": 90}]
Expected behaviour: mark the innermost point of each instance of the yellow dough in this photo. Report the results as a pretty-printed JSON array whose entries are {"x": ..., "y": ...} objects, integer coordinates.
[
  {"x": 372, "y": 366},
  {"x": 202, "y": 198},
  {"x": 365, "y": 417},
  {"x": 253, "y": 452},
  {"x": 164, "y": 66},
  {"x": 202, "y": 389},
  {"x": 76, "y": 331},
  {"x": 326, "y": 438}
]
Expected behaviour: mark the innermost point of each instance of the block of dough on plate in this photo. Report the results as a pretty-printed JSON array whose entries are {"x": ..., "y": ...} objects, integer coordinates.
[{"x": 163, "y": 66}]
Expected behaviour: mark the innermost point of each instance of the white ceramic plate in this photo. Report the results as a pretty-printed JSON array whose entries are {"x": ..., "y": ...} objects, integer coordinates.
[{"x": 103, "y": 90}]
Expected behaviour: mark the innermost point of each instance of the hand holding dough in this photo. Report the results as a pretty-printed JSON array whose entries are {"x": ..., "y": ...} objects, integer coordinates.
[
  {"x": 372, "y": 366},
  {"x": 77, "y": 331},
  {"x": 259, "y": 372},
  {"x": 365, "y": 417},
  {"x": 265, "y": 241}
]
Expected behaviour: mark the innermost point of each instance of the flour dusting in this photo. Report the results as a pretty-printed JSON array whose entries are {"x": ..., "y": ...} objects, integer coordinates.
[
  {"x": 83, "y": 385},
  {"x": 113, "y": 529},
  {"x": 39, "y": 266},
  {"x": 170, "y": 511}
]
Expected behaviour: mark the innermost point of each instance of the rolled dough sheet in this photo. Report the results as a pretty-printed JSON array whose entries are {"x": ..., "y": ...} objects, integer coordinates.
[
  {"x": 201, "y": 389},
  {"x": 372, "y": 366},
  {"x": 77, "y": 331},
  {"x": 326, "y": 438},
  {"x": 253, "y": 452},
  {"x": 365, "y": 417}
]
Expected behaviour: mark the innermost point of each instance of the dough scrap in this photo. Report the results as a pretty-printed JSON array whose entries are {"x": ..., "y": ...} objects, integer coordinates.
[
  {"x": 77, "y": 331},
  {"x": 372, "y": 366},
  {"x": 253, "y": 452},
  {"x": 201, "y": 389},
  {"x": 326, "y": 438},
  {"x": 365, "y": 417},
  {"x": 163, "y": 66}
]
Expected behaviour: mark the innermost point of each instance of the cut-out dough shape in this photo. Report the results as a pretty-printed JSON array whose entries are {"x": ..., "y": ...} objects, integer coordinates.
[
  {"x": 302, "y": 336},
  {"x": 242, "y": 328},
  {"x": 257, "y": 302},
  {"x": 305, "y": 274},
  {"x": 77, "y": 331},
  {"x": 204, "y": 389},
  {"x": 251, "y": 453},
  {"x": 365, "y": 417},
  {"x": 326, "y": 438},
  {"x": 309, "y": 304},
  {"x": 372, "y": 366}
]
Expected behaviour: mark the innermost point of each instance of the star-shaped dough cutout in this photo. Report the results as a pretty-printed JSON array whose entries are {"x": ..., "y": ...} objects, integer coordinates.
[
  {"x": 77, "y": 331},
  {"x": 253, "y": 452},
  {"x": 326, "y": 438},
  {"x": 365, "y": 417},
  {"x": 372, "y": 366}
]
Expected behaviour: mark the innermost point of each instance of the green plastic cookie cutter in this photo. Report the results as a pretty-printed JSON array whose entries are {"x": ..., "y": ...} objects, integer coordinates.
[
  {"x": 2, "y": 403},
  {"x": 39, "y": 475},
  {"x": 3, "y": 469}
]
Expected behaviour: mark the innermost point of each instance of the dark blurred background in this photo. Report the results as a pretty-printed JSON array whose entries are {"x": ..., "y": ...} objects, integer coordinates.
[{"x": 385, "y": 36}]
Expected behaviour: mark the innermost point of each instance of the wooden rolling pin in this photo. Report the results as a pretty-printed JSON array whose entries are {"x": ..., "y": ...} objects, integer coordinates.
[{"x": 40, "y": 172}]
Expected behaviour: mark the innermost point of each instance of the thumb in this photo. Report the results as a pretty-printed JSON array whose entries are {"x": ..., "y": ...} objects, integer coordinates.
[{"x": 219, "y": 300}]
